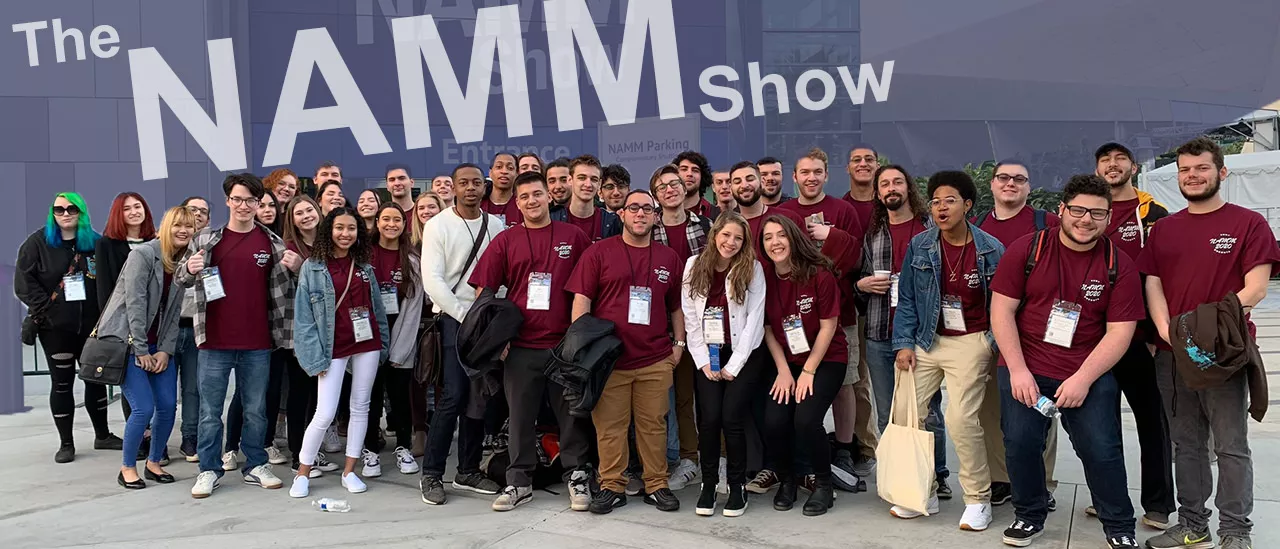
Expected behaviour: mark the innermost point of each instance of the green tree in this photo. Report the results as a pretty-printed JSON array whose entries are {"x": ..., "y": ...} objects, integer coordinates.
[{"x": 982, "y": 174}]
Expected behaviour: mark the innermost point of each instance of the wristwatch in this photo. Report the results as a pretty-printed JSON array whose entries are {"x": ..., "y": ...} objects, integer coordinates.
[{"x": 679, "y": 343}]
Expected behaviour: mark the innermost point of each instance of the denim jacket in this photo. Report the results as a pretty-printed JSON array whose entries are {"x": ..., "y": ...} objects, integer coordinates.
[
  {"x": 314, "y": 311},
  {"x": 915, "y": 323}
]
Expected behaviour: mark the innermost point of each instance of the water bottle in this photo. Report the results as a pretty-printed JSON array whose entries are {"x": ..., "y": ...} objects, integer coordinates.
[
  {"x": 330, "y": 505},
  {"x": 1046, "y": 407}
]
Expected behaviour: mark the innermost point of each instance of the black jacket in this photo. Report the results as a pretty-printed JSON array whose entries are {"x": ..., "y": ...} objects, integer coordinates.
[
  {"x": 489, "y": 326},
  {"x": 39, "y": 273},
  {"x": 610, "y": 225},
  {"x": 583, "y": 361},
  {"x": 111, "y": 255}
]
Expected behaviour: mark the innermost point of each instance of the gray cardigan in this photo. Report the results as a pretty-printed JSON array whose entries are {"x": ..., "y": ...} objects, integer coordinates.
[
  {"x": 404, "y": 337},
  {"x": 136, "y": 300}
]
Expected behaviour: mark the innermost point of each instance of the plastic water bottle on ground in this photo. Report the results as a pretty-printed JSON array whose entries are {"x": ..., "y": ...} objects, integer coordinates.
[
  {"x": 1047, "y": 407},
  {"x": 330, "y": 505}
]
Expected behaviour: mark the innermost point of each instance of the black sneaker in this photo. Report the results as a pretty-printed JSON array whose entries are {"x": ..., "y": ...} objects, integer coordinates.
[
  {"x": 432, "y": 490},
  {"x": 663, "y": 499},
  {"x": 706, "y": 501},
  {"x": 109, "y": 442},
  {"x": 605, "y": 501},
  {"x": 842, "y": 474},
  {"x": 1021, "y": 533},
  {"x": 188, "y": 450},
  {"x": 820, "y": 500},
  {"x": 1001, "y": 493},
  {"x": 65, "y": 454},
  {"x": 737, "y": 504},
  {"x": 1053, "y": 503},
  {"x": 476, "y": 482},
  {"x": 1124, "y": 541},
  {"x": 785, "y": 499},
  {"x": 944, "y": 491}
]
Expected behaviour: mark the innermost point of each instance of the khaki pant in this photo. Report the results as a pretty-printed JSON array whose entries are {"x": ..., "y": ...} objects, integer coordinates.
[
  {"x": 686, "y": 422},
  {"x": 965, "y": 362},
  {"x": 865, "y": 429},
  {"x": 994, "y": 435},
  {"x": 640, "y": 395}
]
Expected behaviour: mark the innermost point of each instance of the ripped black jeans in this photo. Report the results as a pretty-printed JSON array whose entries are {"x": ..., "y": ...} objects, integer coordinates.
[{"x": 62, "y": 350}]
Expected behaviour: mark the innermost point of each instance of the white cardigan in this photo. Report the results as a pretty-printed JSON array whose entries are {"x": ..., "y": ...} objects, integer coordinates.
[{"x": 746, "y": 321}]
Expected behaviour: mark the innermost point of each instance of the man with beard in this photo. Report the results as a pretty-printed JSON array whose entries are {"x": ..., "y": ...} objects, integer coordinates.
[
  {"x": 863, "y": 163},
  {"x": 744, "y": 178},
  {"x": 1133, "y": 212},
  {"x": 528, "y": 162},
  {"x": 502, "y": 173},
  {"x": 694, "y": 171},
  {"x": 1064, "y": 305},
  {"x": 558, "y": 182},
  {"x": 1194, "y": 257},
  {"x": 634, "y": 283},
  {"x": 400, "y": 186},
  {"x": 447, "y": 263},
  {"x": 771, "y": 181},
  {"x": 723, "y": 189},
  {"x": 581, "y": 211},
  {"x": 327, "y": 170},
  {"x": 617, "y": 183}
]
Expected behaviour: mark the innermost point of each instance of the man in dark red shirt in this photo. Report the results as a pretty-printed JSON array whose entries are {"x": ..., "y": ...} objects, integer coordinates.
[
  {"x": 635, "y": 284},
  {"x": 500, "y": 202},
  {"x": 558, "y": 182},
  {"x": 1193, "y": 257},
  {"x": 771, "y": 181},
  {"x": 744, "y": 177},
  {"x": 863, "y": 163},
  {"x": 581, "y": 211},
  {"x": 1060, "y": 329},
  {"x": 696, "y": 174},
  {"x": 533, "y": 261},
  {"x": 861, "y": 167}
]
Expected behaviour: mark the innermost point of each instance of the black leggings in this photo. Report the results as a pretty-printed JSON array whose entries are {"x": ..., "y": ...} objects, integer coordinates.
[
  {"x": 725, "y": 406},
  {"x": 400, "y": 416},
  {"x": 62, "y": 350},
  {"x": 795, "y": 431},
  {"x": 301, "y": 405},
  {"x": 235, "y": 412}
]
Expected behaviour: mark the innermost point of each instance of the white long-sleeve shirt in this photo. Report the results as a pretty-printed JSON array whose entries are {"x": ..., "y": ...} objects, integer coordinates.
[{"x": 446, "y": 244}]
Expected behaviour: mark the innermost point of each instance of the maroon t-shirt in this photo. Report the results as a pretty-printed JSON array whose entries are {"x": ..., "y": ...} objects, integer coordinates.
[
  {"x": 239, "y": 321},
  {"x": 813, "y": 301},
  {"x": 386, "y": 266},
  {"x": 1068, "y": 275},
  {"x": 153, "y": 334},
  {"x": 901, "y": 235},
  {"x": 344, "y": 335},
  {"x": 756, "y": 223},
  {"x": 1018, "y": 226},
  {"x": 1125, "y": 229},
  {"x": 702, "y": 208},
  {"x": 864, "y": 208},
  {"x": 967, "y": 285},
  {"x": 1200, "y": 258},
  {"x": 590, "y": 226},
  {"x": 678, "y": 240},
  {"x": 509, "y": 211},
  {"x": 842, "y": 216},
  {"x": 517, "y": 253},
  {"x": 606, "y": 273}
]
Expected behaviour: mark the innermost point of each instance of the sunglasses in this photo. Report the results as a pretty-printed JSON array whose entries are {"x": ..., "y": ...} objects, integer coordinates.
[{"x": 66, "y": 210}]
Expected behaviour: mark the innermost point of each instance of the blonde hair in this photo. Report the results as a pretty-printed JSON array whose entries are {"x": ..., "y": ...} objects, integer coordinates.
[
  {"x": 741, "y": 265},
  {"x": 417, "y": 222},
  {"x": 169, "y": 254}
]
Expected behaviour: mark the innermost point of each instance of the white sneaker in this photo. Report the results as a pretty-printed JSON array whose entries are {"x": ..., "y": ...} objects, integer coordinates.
[
  {"x": 262, "y": 476},
  {"x": 976, "y": 518},
  {"x": 723, "y": 486},
  {"x": 229, "y": 462},
  {"x": 687, "y": 472},
  {"x": 206, "y": 481},
  {"x": 323, "y": 463},
  {"x": 372, "y": 465},
  {"x": 579, "y": 490},
  {"x": 301, "y": 487},
  {"x": 408, "y": 464},
  {"x": 353, "y": 483},
  {"x": 904, "y": 513},
  {"x": 331, "y": 441},
  {"x": 275, "y": 456}
]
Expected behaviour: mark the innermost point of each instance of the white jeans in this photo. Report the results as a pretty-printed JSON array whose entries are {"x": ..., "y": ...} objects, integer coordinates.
[{"x": 364, "y": 368}]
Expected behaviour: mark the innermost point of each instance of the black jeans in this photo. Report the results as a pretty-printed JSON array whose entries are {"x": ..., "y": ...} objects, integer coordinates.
[
  {"x": 795, "y": 431},
  {"x": 527, "y": 388},
  {"x": 1136, "y": 375},
  {"x": 235, "y": 412},
  {"x": 725, "y": 406},
  {"x": 399, "y": 418},
  {"x": 451, "y": 404},
  {"x": 61, "y": 351},
  {"x": 301, "y": 405}
]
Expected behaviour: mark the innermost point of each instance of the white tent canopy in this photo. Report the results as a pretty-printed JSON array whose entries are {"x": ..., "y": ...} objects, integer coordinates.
[{"x": 1253, "y": 181}]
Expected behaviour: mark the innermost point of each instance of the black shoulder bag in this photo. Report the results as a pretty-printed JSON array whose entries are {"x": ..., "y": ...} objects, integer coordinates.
[{"x": 429, "y": 371}]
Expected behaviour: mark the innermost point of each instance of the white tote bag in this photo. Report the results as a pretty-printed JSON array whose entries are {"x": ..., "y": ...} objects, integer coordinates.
[{"x": 904, "y": 468}]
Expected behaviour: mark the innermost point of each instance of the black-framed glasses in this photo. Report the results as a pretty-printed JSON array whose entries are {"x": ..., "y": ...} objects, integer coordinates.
[
  {"x": 197, "y": 210},
  {"x": 1098, "y": 214},
  {"x": 612, "y": 187},
  {"x": 669, "y": 185},
  {"x": 637, "y": 208},
  {"x": 66, "y": 210},
  {"x": 241, "y": 200},
  {"x": 1005, "y": 178}
]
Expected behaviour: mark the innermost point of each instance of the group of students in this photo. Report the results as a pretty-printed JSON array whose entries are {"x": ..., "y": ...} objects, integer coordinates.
[{"x": 741, "y": 323}]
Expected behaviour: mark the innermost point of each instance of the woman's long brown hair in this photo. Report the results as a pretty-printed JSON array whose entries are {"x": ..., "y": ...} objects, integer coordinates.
[
  {"x": 291, "y": 231},
  {"x": 805, "y": 257},
  {"x": 409, "y": 281},
  {"x": 741, "y": 265}
]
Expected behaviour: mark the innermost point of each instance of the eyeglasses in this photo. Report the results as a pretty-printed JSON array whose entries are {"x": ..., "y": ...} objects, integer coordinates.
[
  {"x": 66, "y": 210},
  {"x": 949, "y": 201},
  {"x": 637, "y": 208},
  {"x": 1005, "y": 178},
  {"x": 240, "y": 200},
  {"x": 1098, "y": 214},
  {"x": 669, "y": 185},
  {"x": 612, "y": 187},
  {"x": 198, "y": 210}
]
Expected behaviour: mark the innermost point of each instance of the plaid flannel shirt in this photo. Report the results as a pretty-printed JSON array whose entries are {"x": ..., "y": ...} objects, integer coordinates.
[
  {"x": 877, "y": 255},
  {"x": 280, "y": 286},
  {"x": 695, "y": 231}
]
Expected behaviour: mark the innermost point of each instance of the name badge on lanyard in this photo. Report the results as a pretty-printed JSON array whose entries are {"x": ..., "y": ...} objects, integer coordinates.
[
  {"x": 538, "y": 295},
  {"x": 1063, "y": 319},
  {"x": 73, "y": 287},
  {"x": 212, "y": 284},
  {"x": 893, "y": 290},
  {"x": 953, "y": 313},
  {"x": 796, "y": 340},
  {"x": 713, "y": 325},
  {"x": 638, "y": 311},
  {"x": 360, "y": 324},
  {"x": 390, "y": 298}
]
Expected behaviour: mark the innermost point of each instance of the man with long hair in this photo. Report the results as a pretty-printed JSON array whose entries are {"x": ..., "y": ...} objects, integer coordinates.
[{"x": 696, "y": 175}]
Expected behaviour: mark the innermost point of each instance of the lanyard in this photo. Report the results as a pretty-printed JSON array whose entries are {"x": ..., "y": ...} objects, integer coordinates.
[
  {"x": 539, "y": 265},
  {"x": 632, "y": 266}
]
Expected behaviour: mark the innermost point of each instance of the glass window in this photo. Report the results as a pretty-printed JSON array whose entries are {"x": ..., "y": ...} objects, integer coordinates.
[
  {"x": 829, "y": 49},
  {"x": 811, "y": 14}
]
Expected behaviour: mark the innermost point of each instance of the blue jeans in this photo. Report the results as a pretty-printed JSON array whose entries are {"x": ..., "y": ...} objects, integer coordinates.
[
  {"x": 1094, "y": 429},
  {"x": 186, "y": 357},
  {"x": 451, "y": 407},
  {"x": 673, "y": 429},
  {"x": 153, "y": 398},
  {"x": 252, "y": 369},
  {"x": 880, "y": 362}
]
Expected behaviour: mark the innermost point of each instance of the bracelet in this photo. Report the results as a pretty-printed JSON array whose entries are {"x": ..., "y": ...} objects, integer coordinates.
[{"x": 810, "y": 372}]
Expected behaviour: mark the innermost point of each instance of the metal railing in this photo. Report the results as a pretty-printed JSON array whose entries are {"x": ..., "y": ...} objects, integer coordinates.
[{"x": 36, "y": 371}]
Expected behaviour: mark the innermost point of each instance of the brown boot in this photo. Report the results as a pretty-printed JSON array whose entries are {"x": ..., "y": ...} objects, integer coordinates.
[{"x": 419, "y": 444}]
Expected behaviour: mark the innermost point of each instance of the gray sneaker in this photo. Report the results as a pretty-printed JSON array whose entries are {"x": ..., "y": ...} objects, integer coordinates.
[
  {"x": 635, "y": 484},
  {"x": 865, "y": 467},
  {"x": 1181, "y": 537},
  {"x": 842, "y": 474},
  {"x": 1236, "y": 542},
  {"x": 512, "y": 497},
  {"x": 432, "y": 491}
]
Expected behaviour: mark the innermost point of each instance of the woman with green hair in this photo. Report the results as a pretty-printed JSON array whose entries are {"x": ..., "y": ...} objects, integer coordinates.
[{"x": 56, "y": 279}]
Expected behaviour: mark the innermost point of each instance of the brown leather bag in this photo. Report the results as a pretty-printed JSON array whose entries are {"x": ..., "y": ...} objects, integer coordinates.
[{"x": 429, "y": 370}]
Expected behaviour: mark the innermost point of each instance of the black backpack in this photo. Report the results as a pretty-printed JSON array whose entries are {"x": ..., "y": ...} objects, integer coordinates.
[
  {"x": 1037, "y": 248},
  {"x": 1042, "y": 219}
]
